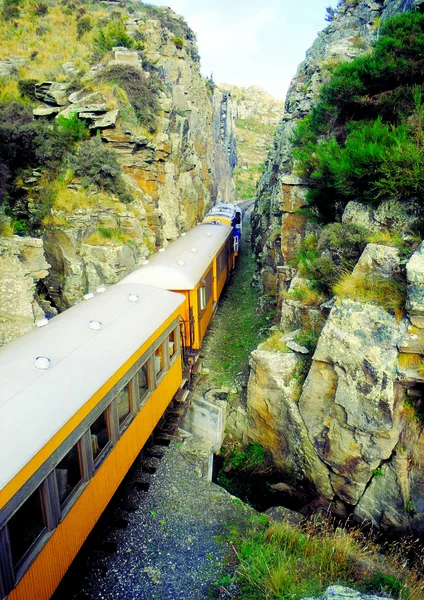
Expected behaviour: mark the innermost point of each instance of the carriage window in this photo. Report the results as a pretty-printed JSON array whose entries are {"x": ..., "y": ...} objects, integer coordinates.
[
  {"x": 143, "y": 382},
  {"x": 26, "y": 526},
  {"x": 123, "y": 404},
  {"x": 159, "y": 361},
  {"x": 205, "y": 291},
  {"x": 222, "y": 261},
  {"x": 68, "y": 474},
  {"x": 172, "y": 343},
  {"x": 99, "y": 434},
  {"x": 202, "y": 297}
]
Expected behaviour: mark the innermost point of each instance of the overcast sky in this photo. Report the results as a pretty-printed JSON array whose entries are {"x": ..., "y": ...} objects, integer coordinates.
[{"x": 252, "y": 42}]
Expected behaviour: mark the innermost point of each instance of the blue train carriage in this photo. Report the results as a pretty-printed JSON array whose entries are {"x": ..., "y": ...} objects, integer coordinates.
[
  {"x": 230, "y": 214},
  {"x": 79, "y": 398}
]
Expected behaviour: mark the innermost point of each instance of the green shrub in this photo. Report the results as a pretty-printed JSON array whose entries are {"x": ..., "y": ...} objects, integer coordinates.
[
  {"x": 381, "y": 582},
  {"x": 373, "y": 122},
  {"x": 11, "y": 9},
  {"x": 84, "y": 24},
  {"x": 142, "y": 92},
  {"x": 178, "y": 42},
  {"x": 26, "y": 88},
  {"x": 97, "y": 165},
  {"x": 279, "y": 561},
  {"x": 73, "y": 128},
  {"x": 41, "y": 9},
  {"x": 113, "y": 33},
  {"x": 251, "y": 459}
]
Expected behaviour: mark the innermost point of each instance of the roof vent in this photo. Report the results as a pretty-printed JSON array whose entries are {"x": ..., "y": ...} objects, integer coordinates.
[
  {"x": 209, "y": 234},
  {"x": 194, "y": 250},
  {"x": 133, "y": 297},
  {"x": 95, "y": 325},
  {"x": 180, "y": 262},
  {"x": 88, "y": 296},
  {"x": 42, "y": 322},
  {"x": 145, "y": 262},
  {"x": 161, "y": 249},
  {"x": 42, "y": 363},
  {"x": 101, "y": 289}
]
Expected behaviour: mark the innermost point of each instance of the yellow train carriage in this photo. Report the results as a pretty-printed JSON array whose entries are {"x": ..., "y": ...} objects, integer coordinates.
[
  {"x": 79, "y": 398},
  {"x": 197, "y": 265}
]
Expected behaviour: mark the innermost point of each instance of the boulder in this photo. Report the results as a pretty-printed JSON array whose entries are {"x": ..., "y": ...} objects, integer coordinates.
[
  {"x": 348, "y": 402},
  {"x": 104, "y": 121},
  {"x": 46, "y": 111},
  {"x": 52, "y": 92},
  {"x": 10, "y": 66},
  {"x": 415, "y": 290},
  {"x": 273, "y": 416},
  {"x": 338, "y": 592},
  {"x": 359, "y": 214},
  {"x": 383, "y": 261},
  {"x": 280, "y": 514}
]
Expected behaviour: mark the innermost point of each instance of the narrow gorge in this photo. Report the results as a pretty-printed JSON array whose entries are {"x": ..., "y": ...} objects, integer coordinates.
[{"x": 310, "y": 381}]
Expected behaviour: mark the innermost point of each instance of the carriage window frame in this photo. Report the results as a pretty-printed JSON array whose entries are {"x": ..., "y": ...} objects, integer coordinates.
[
  {"x": 163, "y": 349},
  {"x": 205, "y": 292},
  {"x": 130, "y": 416},
  {"x": 77, "y": 490},
  {"x": 13, "y": 572},
  {"x": 98, "y": 460},
  {"x": 142, "y": 399}
]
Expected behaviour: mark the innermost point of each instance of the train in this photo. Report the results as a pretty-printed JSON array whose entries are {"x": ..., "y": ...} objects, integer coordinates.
[{"x": 82, "y": 393}]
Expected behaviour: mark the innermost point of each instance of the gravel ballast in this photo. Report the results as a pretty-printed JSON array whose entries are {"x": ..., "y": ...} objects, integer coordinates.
[{"x": 167, "y": 542}]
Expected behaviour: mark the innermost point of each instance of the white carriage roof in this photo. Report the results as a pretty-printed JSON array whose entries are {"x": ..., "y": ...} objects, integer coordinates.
[
  {"x": 36, "y": 403},
  {"x": 183, "y": 263}
]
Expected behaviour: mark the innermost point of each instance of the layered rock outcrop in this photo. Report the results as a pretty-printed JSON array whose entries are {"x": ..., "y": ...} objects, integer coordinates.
[
  {"x": 22, "y": 266},
  {"x": 175, "y": 171}
]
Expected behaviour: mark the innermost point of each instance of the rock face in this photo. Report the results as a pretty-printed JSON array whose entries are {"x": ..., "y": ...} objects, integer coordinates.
[
  {"x": 256, "y": 115},
  {"x": 353, "y": 428},
  {"x": 277, "y": 226},
  {"x": 254, "y": 103},
  {"x": 175, "y": 173},
  {"x": 338, "y": 592},
  {"x": 22, "y": 266}
]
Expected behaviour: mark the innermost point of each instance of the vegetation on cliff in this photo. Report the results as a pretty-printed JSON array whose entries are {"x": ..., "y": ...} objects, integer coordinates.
[
  {"x": 282, "y": 561},
  {"x": 60, "y": 42},
  {"x": 363, "y": 140}
]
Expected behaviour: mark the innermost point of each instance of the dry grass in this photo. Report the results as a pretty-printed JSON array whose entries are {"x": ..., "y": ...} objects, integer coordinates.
[
  {"x": 108, "y": 237},
  {"x": 285, "y": 562},
  {"x": 47, "y": 42},
  {"x": 69, "y": 200},
  {"x": 410, "y": 361},
  {"x": 274, "y": 343},
  {"x": 305, "y": 294},
  {"x": 387, "y": 293}
]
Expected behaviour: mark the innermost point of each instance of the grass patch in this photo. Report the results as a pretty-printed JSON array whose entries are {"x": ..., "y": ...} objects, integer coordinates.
[
  {"x": 105, "y": 236},
  {"x": 285, "y": 562},
  {"x": 275, "y": 343},
  {"x": 238, "y": 327},
  {"x": 387, "y": 293},
  {"x": 305, "y": 294}
]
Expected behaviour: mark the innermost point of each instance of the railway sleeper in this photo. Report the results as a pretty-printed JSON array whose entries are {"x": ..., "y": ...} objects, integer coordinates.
[{"x": 142, "y": 486}]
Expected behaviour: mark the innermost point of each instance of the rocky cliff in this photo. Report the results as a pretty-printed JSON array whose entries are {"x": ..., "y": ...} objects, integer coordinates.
[
  {"x": 145, "y": 99},
  {"x": 277, "y": 226},
  {"x": 256, "y": 115},
  {"x": 337, "y": 399}
]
